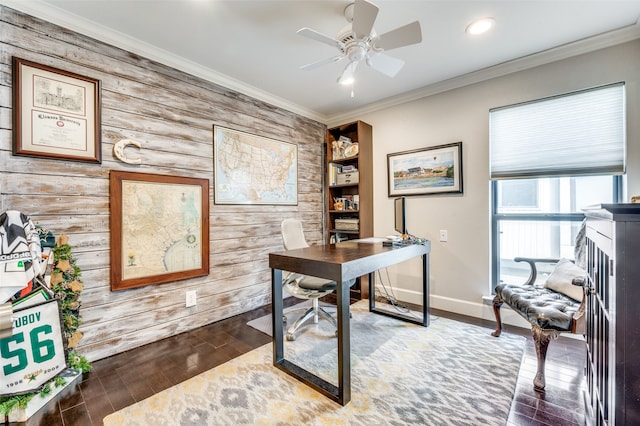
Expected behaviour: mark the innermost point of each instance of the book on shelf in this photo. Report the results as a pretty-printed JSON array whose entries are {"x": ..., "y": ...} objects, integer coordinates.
[{"x": 334, "y": 169}]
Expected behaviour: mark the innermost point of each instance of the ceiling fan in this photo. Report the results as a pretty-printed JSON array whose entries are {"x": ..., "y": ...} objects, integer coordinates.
[{"x": 358, "y": 42}]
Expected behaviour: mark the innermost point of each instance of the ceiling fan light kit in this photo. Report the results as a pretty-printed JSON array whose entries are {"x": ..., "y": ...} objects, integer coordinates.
[
  {"x": 347, "y": 77},
  {"x": 358, "y": 42},
  {"x": 480, "y": 26}
]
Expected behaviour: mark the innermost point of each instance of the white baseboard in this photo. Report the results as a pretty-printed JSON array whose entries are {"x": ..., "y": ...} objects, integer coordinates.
[{"x": 482, "y": 309}]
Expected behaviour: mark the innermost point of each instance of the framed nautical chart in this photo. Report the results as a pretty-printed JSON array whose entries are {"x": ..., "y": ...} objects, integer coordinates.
[{"x": 159, "y": 228}]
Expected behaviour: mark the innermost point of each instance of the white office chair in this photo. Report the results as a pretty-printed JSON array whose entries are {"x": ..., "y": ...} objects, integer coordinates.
[{"x": 302, "y": 286}]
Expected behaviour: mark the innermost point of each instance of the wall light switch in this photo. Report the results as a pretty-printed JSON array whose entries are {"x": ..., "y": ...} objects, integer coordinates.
[
  {"x": 191, "y": 298},
  {"x": 443, "y": 235}
]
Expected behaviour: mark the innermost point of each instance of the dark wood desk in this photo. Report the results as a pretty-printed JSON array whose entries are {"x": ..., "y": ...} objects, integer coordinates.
[{"x": 339, "y": 262}]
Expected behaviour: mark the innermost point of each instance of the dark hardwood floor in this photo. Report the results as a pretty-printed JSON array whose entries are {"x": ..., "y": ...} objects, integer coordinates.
[
  {"x": 561, "y": 402},
  {"x": 123, "y": 379}
]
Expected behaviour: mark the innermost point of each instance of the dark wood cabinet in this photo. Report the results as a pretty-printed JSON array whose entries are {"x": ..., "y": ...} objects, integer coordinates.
[{"x": 612, "y": 395}]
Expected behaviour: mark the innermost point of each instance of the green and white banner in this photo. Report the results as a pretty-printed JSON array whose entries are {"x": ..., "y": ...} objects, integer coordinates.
[{"x": 35, "y": 353}]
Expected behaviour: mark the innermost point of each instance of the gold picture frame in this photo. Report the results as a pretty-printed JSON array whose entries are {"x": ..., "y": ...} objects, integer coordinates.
[{"x": 56, "y": 113}]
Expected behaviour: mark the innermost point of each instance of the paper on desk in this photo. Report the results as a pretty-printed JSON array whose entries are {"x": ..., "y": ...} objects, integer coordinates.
[{"x": 371, "y": 240}]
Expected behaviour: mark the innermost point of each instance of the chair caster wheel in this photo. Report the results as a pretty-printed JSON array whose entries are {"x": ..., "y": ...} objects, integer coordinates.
[{"x": 291, "y": 337}]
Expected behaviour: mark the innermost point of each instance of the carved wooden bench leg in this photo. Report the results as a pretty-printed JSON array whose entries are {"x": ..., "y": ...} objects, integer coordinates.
[
  {"x": 497, "y": 303},
  {"x": 541, "y": 339}
]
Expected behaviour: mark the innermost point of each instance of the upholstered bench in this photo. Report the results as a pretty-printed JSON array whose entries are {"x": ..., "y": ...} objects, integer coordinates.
[{"x": 553, "y": 308}]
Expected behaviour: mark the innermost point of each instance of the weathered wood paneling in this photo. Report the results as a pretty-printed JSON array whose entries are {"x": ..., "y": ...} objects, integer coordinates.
[{"x": 172, "y": 114}]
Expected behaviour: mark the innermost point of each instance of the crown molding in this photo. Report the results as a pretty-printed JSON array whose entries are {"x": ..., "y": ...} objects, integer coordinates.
[
  {"x": 565, "y": 51},
  {"x": 57, "y": 16}
]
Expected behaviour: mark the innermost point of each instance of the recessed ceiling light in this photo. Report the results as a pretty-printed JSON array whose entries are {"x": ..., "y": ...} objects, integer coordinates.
[{"x": 480, "y": 26}]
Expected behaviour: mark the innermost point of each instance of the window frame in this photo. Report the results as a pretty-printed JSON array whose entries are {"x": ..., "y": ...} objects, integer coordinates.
[{"x": 496, "y": 217}]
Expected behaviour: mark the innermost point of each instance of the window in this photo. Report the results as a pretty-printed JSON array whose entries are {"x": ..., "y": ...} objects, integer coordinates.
[
  {"x": 550, "y": 159},
  {"x": 540, "y": 218},
  {"x": 518, "y": 195}
]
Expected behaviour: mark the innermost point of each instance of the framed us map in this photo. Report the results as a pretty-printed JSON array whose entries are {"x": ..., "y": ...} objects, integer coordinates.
[
  {"x": 252, "y": 169},
  {"x": 159, "y": 228}
]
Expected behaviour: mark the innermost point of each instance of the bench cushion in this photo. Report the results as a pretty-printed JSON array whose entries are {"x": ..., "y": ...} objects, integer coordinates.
[{"x": 540, "y": 306}]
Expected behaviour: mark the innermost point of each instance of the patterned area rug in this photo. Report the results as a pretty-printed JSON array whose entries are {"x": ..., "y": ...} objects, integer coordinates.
[
  {"x": 292, "y": 313},
  {"x": 450, "y": 373}
]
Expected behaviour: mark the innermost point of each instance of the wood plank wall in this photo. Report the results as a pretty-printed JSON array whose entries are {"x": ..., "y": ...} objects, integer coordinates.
[{"x": 172, "y": 114}]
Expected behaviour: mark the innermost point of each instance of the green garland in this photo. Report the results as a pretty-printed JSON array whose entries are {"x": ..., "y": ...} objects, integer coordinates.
[{"x": 67, "y": 288}]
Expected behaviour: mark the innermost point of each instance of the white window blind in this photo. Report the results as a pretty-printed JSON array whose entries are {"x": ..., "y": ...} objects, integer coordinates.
[{"x": 581, "y": 133}]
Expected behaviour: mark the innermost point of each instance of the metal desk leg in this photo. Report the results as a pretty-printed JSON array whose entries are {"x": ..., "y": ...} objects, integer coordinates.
[
  {"x": 425, "y": 290},
  {"x": 425, "y": 298},
  {"x": 277, "y": 312},
  {"x": 344, "y": 344},
  {"x": 372, "y": 292},
  {"x": 341, "y": 393}
]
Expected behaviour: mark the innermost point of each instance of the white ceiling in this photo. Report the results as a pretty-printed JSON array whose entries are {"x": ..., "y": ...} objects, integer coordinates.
[{"x": 252, "y": 46}]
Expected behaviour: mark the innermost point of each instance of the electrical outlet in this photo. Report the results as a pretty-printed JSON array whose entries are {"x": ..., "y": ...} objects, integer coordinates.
[
  {"x": 191, "y": 298},
  {"x": 443, "y": 235}
]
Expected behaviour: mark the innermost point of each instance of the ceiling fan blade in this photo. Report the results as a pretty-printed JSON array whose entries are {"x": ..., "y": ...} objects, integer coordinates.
[
  {"x": 402, "y": 36},
  {"x": 317, "y": 64},
  {"x": 322, "y": 38},
  {"x": 348, "y": 74},
  {"x": 364, "y": 15},
  {"x": 385, "y": 64}
]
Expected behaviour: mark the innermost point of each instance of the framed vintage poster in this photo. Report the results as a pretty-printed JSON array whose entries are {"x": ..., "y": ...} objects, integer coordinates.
[
  {"x": 252, "y": 169},
  {"x": 56, "y": 114},
  {"x": 425, "y": 171},
  {"x": 159, "y": 228}
]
